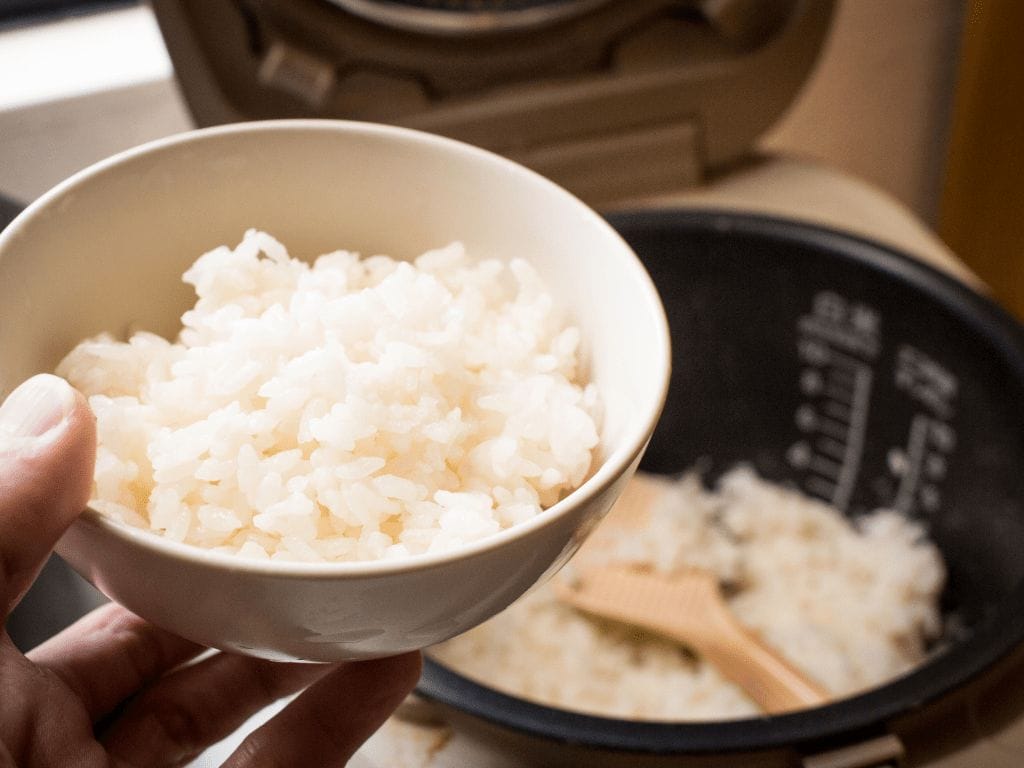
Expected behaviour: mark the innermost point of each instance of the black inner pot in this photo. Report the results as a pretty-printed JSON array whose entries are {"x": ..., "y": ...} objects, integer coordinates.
[{"x": 786, "y": 336}]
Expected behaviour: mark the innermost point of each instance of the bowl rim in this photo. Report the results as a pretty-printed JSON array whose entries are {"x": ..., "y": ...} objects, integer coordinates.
[
  {"x": 862, "y": 715},
  {"x": 631, "y": 443}
]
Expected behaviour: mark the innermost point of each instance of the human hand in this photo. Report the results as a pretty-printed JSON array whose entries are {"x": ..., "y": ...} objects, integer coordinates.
[{"x": 110, "y": 690}]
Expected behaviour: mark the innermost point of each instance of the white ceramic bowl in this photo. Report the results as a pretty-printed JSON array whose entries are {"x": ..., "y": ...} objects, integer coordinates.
[{"x": 104, "y": 251}]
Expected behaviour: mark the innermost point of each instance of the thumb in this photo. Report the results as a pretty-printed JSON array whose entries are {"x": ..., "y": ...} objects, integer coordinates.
[{"x": 47, "y": 452}]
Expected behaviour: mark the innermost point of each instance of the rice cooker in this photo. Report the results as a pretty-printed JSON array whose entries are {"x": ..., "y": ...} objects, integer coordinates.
[
  {"x": 610, "y": 98},
  {"x": 616, "y": 100}
]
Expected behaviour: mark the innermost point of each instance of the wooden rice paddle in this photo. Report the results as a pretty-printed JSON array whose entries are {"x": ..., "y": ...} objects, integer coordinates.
[{"x": 688, "y": 607}]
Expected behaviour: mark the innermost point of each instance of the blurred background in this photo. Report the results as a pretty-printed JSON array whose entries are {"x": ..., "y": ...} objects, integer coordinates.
[{"x": 921, "y": 99}]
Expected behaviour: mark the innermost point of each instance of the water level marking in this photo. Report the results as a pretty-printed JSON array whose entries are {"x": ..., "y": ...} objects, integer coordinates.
[
  {"x": 811, "y": 382},
  {"x": 854, "y": 437},
  {"x": 840, "y": 377},
  {"x": 799, "y": 455},
  {"x": 931, "y": 499},
  {"x": 820, "y": 487},
  {"x": 826, "y": 467},
  {"x": 917, "y": 443},
  {"x": 830, "y": 447},
  {"x": 935, "y": 466},
  {"x": 833, "y": 428},
  {"x": 838, "y": 395},
  {"x": 838, "y": 411},
  {"x": 839, "y": 335},
  {"x": 843, "y": 363}
]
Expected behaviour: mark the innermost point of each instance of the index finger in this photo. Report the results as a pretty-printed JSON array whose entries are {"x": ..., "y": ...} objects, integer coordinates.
[{"x": 325, "y": 725}]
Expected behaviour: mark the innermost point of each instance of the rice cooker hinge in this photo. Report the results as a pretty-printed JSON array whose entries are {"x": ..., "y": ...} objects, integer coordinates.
[{"x": 884, "y": 752}]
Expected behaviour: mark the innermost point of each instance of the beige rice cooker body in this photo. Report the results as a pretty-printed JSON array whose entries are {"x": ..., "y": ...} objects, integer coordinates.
[{"x": 611, "y": 98}]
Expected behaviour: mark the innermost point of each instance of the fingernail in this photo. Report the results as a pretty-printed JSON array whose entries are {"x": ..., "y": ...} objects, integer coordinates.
[{"x": 36, "y": 408}]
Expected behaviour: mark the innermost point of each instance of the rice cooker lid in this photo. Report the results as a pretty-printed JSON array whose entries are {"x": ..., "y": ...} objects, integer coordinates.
[{"x": 611, "y": 98}]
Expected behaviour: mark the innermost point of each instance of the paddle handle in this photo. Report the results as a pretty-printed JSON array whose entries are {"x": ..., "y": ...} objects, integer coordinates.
[{"x": 760, "y": 671}]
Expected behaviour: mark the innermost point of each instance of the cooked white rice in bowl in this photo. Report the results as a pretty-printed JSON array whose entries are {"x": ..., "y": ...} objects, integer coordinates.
[{"x": 351, "y": 409}]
